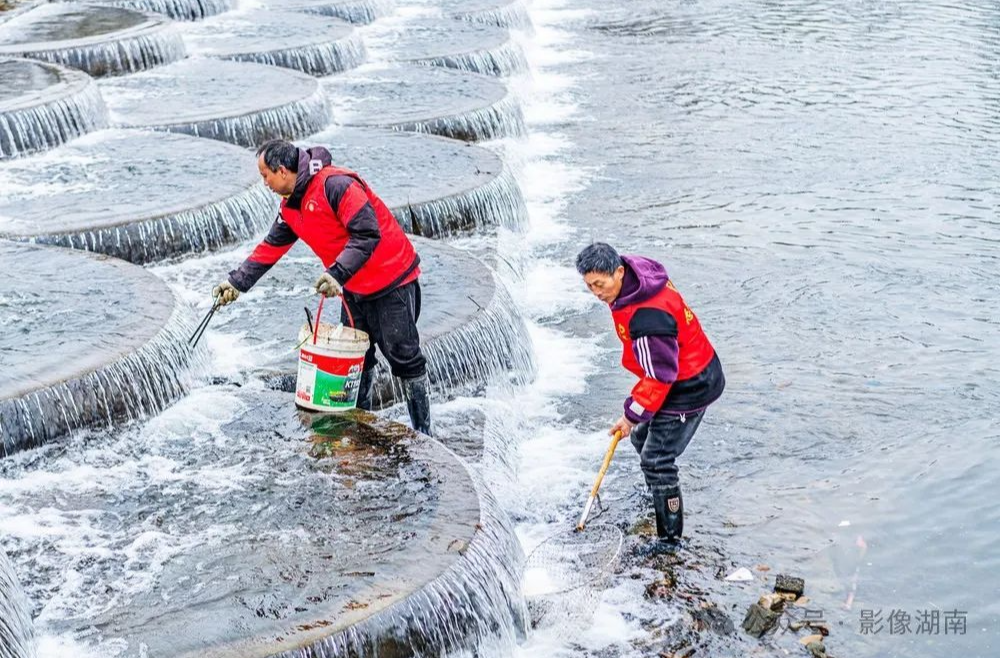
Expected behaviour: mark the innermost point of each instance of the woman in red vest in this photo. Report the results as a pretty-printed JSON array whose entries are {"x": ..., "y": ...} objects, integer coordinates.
[
  {"x": 368, "y": 260},
  {"x": 679, "y": 372}
]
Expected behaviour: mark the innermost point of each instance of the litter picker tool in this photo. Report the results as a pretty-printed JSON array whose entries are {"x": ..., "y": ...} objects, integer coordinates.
[{"x": 200, "y": 329}]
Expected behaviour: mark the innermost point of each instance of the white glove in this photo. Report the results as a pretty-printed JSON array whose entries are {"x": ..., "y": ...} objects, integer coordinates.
[{"x": 327, "y": 286}]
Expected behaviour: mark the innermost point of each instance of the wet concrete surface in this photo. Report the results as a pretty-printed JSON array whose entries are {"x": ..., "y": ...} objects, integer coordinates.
[
  {"x": 209, "y": 98},
  {"x": 316, "y": 45},
  {"x": 44, "y": 105},
  {"x": 101, "y": 40},
  {"x": 441, "y": 101},
  {"x": 162, "y": 204}
]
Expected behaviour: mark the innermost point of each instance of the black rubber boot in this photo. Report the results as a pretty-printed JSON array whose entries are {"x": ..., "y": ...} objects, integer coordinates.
[
  {"x": 418, "y": 403},
  {"x": 365, "y": 388},
  {"x": 669, "y": 507}
]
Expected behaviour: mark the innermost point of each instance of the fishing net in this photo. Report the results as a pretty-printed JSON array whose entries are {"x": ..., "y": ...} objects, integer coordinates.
[{"x": 565, "y": 575}]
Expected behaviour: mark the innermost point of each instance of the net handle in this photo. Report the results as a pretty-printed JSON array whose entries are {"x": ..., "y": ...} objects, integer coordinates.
[{"x": 600, "y": 478}]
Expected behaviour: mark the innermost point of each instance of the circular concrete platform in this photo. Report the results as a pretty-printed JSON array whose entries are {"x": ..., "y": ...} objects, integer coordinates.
[
  {"x": 233, "y": 526},
  {"x": 237, "y": 102},
  {"x": 142, "y": 196},
  {"x": 87, "y": 340},
  {"x": 361, "y": 12},
  {"x": 426, "y": 99},
  {"x": 435, "y": 187},
  {"x": 472, "y": 333},
  {"x": 451, "y": 43},
  {"x": 315, "y": 45},
  {"x": 100, "y": 40},
  {"x": 179, "y": 10},
  {"x": 43, "y": 105}
]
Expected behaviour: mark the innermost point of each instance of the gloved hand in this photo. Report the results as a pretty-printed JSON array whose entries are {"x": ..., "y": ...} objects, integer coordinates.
[
  {"x": 327, "y": 286},
  {"x": 225, "y": 293}
]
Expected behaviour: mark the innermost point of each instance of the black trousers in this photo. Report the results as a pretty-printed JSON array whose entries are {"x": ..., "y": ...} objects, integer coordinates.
[
  {"x": 660, "y": 442},
  {"x": 390, "y": 320}
]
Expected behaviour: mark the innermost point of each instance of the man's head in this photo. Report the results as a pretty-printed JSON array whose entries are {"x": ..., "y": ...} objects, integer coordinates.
[
  {"x": 603, "y": 270},
  {"x": 278, "y": 162}
]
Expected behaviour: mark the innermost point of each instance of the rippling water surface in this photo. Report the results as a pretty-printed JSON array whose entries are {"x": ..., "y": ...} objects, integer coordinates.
[{"x": 820, "y": 180}]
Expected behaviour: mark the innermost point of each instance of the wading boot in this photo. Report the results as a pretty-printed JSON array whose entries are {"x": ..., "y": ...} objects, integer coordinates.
[
  {"x": 418, "y": 403},
  {"x": 669, "y": 508}
]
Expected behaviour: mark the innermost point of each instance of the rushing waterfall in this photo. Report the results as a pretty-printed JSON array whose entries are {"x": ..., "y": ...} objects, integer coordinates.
[
  {"x": 436, "y": 187},
  {"x": 505, "y": 13},
  {"x": 203, "y": 536},
  {"x": 477, "y": 601},
  {"x": 437, "y": 41},
  {"x": 312, "y": 44},
  {"x": 159, "y": 211},
  {"x": 210, "y": 98},
  {"x": 504, "y": 59},
  {"x": 427, "y": 99},
  {"x": 494, "y": 347},
  {"x": 361, "y": 12},
  {"x": 99, "y": 40},
  {"x": 84, "y": 370},
  {"x": 17, "y": 636},
  {"x": 179, "y": 10},
  {"x": 43, "y": 106},
  {"x": 471, "y": 330}
]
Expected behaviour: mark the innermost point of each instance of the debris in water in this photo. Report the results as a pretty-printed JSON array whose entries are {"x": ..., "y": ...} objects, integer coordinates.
[
  {"x": 741, "y": 575},
  {"x": 789, "y": 584},
  {"x": 759, "y": 620}
]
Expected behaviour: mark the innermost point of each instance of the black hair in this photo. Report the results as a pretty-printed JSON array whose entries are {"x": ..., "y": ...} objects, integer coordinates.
[
  {"x": 598, "y": 257},
  {"x": 279, "y": 153}
]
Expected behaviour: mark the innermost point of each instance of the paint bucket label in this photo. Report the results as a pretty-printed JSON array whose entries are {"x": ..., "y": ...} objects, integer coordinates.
[{"x": 328, "y": 382}]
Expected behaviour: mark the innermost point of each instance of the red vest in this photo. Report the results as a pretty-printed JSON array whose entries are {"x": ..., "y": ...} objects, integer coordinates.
[
  {"x": 319, "y": 227},
  {"x": 694, "y": 350}
]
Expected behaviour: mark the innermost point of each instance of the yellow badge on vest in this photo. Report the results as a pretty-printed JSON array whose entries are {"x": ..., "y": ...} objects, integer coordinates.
[{"x": 621, "y": 330}]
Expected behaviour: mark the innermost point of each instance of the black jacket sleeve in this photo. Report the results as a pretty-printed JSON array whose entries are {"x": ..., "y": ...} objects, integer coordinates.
[{"x": 276, "y": 243}]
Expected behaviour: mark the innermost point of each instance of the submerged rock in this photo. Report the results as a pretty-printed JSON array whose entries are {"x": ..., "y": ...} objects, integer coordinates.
[{"x": 759, "y": 620}]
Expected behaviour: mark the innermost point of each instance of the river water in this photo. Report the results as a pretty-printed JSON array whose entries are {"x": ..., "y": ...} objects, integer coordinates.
[{"x": 819, "y": 180}]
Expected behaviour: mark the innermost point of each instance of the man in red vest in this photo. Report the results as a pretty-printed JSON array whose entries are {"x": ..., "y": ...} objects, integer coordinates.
[
  {"x": 368, "y": 260},
  {"x": 679, "y": 372}
]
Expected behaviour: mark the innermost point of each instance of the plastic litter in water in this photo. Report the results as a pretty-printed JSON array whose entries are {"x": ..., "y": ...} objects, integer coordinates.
[{"x": 741, "y": 575}]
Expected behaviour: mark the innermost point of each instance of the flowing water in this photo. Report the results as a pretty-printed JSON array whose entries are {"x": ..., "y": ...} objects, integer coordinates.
[
  {"x": 162, "y": 206},
  {"x": 65, "y": 368},
  {"x": 43, "y": 106},
  {"x": 98, "y": 40},
  {"x": 424, "y": 37},
  {"x": 424, "y": 99},
  {"x": 181, "y": 10},
  {"x": 355, "y": 11},
  {"x": 210, "y": 98},
  {"x": 17, "y": 637},
  {"x": 817, "y": 178},
  {"x": 312, "y": 44}
]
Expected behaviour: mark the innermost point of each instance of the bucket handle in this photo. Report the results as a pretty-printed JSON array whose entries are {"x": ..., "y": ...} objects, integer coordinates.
[{"x": 319, "y": 314}]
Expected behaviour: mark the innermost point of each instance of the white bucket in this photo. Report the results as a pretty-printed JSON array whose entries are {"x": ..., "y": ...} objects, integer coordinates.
[{"x": 330, "y": 369}]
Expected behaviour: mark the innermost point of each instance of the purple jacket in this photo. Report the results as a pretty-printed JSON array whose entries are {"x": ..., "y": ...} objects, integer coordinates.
[{"x": 657, "y": 350}]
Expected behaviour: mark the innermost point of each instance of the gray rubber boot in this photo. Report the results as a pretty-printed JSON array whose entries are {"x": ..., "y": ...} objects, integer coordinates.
[{"x": 418, "y": 403}]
